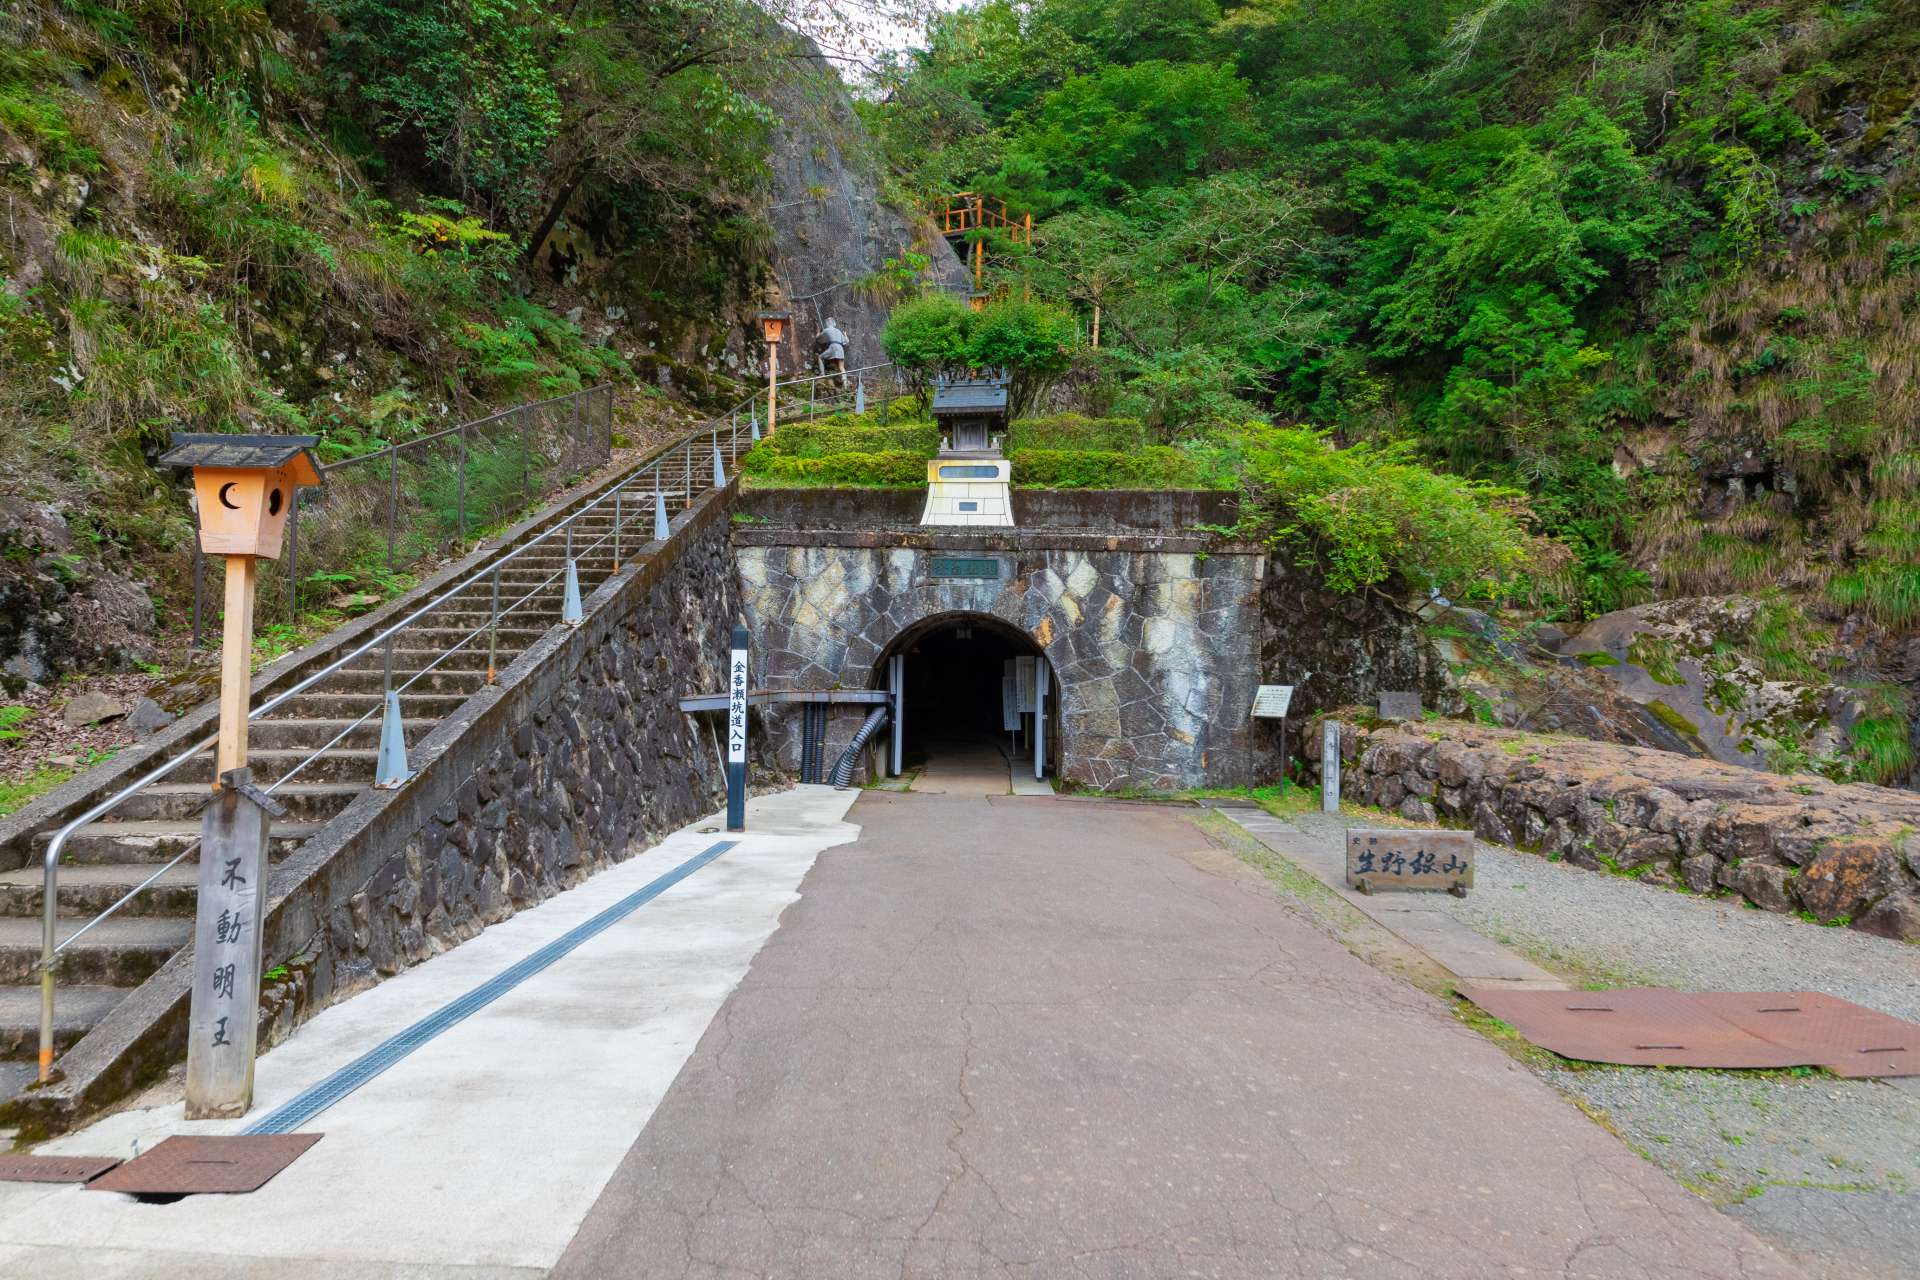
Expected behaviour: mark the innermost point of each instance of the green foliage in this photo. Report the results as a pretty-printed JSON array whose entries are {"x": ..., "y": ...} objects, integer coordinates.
[
  {"x": 1367, "y": 514},
  {"x": 884, "y": 469},
  {"x": 33, "y": 108},
  {"x": 11, "y": 718},
  {"x": 849, "y": 435},
  {"x": 464, "y": 78},
  {"x": 937, "y": 335},
  {"x": 1075, "y": 431},
  {"x": 1149, "y": 467}
]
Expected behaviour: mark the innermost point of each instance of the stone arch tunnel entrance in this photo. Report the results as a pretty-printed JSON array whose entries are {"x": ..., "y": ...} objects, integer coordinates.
[{"x": 952, "y": 671}]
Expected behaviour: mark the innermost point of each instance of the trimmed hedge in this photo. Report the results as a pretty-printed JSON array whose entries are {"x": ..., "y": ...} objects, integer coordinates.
[
  {"x": 887, "y": 468},
  {"x": 1154, "y": 467},
  {"x": 1076, "y": 431},
  {"x": 853, "y": 435}
]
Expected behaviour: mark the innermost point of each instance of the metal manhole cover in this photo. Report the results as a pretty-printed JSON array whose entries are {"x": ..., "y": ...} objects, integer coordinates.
[
  {"x": 207, "y": 1165},
  {"x": 54, "y": 1168},
  {"x": 1652, "y": 1027}
]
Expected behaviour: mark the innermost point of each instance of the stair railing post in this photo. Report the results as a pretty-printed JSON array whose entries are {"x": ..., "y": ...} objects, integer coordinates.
[
  {"x": 686, "y": 471},
  {"x": 393, "y": 499},
  {"x": 390, "y": 766},
  {"x": 570, "y": 611},
  {"x": 463, "y": 483},
  {"x": 493, "y": 627},
  {"x": 618, "y": 494},
  {"x": 526, "y": 458}
]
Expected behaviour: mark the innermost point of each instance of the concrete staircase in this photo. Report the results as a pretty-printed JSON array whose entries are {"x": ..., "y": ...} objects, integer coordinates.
[{"x": 103, "y": 860}]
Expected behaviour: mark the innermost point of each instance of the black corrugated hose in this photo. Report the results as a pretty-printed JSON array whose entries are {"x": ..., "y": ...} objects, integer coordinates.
[{"x": 843, "y": 767}]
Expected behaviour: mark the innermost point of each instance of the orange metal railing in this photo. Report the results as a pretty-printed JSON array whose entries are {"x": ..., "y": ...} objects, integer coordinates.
[{"x": 968, "y": 211}]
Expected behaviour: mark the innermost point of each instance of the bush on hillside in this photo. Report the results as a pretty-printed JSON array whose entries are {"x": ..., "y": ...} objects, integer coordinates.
[
  {"x": 882, "y": 469},
  {"x": 1367, "y": 514},
  {"x": 1153, "y": 467},
  {"x": 1076, "y": 431},
  {"x": 853, "y": 435},
  {"x": 938, "y": 335}
]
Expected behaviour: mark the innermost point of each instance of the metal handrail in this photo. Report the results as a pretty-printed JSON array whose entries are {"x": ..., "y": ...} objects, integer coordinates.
[
  {"x": 726, "y": 423},
  {"x": 393, "y": 452}
]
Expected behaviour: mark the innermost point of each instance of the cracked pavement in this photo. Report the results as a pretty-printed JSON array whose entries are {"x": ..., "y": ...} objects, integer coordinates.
[{"x": 1023, "y": 1037}]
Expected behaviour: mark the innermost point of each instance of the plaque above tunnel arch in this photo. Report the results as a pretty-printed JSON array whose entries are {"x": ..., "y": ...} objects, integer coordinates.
[{"x": 977, "y": 568}]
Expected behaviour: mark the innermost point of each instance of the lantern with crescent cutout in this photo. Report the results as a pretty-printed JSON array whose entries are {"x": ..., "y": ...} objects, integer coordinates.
[{"x": 243, "y": 487}]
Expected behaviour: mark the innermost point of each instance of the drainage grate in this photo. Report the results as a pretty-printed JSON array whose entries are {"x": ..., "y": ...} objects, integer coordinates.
[
  {"x": 186, "y": 1166},
  {"x": 298, "y": 1110},
  {"x": 54, "y": 1168}
]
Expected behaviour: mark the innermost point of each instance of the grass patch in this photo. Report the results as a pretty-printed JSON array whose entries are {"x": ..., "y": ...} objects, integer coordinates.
[{"x": 15, "y": 796}]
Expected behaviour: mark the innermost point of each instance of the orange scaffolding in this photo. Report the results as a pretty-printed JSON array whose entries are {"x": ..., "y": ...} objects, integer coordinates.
[{"x": 968, "y": 212}]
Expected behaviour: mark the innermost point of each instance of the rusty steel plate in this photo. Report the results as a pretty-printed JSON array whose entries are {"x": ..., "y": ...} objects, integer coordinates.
[
  {"x": 54, "y": 1168},
  {"x": 207, "y": 1166},
  {"x": 1826, "y": 1031},
  {"x": 1653, "y": 1027}
]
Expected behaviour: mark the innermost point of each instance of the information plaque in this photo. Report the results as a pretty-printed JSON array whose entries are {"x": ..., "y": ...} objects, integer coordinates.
[{"x": 1270, "y": 701}]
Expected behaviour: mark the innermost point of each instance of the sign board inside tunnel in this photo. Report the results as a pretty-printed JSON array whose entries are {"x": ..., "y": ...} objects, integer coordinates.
[{"x": 1395, "y": 859}]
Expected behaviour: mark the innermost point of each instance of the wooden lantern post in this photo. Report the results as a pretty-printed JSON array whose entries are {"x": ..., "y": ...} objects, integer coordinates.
[
  {"x": 773, "y": 327},
  {"x": 243, "y": 488}
]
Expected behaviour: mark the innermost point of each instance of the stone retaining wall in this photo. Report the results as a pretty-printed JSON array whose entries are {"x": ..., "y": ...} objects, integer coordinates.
[{"x": 1785, "y": 843}]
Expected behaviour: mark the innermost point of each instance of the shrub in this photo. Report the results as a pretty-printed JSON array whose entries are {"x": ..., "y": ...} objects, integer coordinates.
[
  {"x": 894, "y": 468},
  {"x": 853, "y": 435},
  {"x": 938, "y": 335},
  {"x": 1368, "y": 514},
  {"x": 1075, "y": 431},
  {"x": 1154, "y": 467}
]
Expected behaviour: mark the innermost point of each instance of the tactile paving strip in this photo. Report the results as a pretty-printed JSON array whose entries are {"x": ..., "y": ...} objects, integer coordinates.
[
  {"x": 1653, "y": 1027},
  {"x": 54, "y": 1168},
  {"x": 226, "y": 1165}
]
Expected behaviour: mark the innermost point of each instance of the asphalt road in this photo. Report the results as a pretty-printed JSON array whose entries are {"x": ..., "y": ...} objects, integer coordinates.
[{"x": 1028, "y": 1037}]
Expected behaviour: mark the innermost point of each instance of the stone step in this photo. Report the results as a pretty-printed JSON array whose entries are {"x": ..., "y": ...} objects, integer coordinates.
[
  {"x": 115, "y": 953},
  {"x": 154, "y": 840},
  {"x": 310, "y": 734},
  {"x": 76, "y": 1009},
  {"x": 86, "y": 890},
  {"x": 350, "y": 706},
  {"x": 181, "y": 801},
  {"x": 442, "y": 637},
  {"x": 340, "y": 765},
  {"x": 412, "y": 658},
  {"x": 408, "y": 682}
]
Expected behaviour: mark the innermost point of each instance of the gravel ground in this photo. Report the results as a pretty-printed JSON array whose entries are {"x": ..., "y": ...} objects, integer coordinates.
[{"x": 1826, "y": 1166}]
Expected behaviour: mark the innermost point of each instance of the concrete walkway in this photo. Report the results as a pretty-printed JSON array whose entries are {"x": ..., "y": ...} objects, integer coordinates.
[
  {"x": 478, "y": 1155},
  {"x": 1004, "y": 1036}
]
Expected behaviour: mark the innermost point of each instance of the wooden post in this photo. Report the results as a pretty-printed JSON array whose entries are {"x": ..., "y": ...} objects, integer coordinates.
[
  {"x": 1096, "y": 326},
  {"x": 236, "y": 667},
  {"x": 773, "y": 374},
  {"x": 224, "y": 1014}
]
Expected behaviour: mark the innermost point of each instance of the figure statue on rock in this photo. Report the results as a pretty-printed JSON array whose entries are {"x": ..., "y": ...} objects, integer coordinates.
[{"x": 830, "y": 344}]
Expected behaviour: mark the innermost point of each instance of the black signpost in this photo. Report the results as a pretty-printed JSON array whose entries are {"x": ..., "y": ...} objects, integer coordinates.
[{"x": 737, "y": 732}]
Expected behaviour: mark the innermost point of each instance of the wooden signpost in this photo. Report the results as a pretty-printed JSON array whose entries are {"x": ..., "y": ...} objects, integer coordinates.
[
  {"x": 1390, "y": 858},
  {"x": 243, "y": 491}
]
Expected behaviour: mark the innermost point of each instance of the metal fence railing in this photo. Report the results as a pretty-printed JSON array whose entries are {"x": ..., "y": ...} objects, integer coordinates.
[
  {"x": 381, "y": 513},
  {"x": 628, "y": 512}
]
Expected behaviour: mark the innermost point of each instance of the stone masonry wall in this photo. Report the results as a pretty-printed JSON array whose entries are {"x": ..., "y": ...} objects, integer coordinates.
[
  {"x": 597, "y": 767},
  {"x": 1155, "y": 647},
  {"x": 1784, "y": 843},
  {"x": 578, "y": 757}
]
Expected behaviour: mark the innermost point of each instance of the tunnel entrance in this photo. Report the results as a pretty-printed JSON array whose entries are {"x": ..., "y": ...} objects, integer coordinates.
[{"x": 952, "y": 671}]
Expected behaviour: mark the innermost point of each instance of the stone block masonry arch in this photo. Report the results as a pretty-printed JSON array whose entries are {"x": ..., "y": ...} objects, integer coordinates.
[{"x": 1154, "y": 641}]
